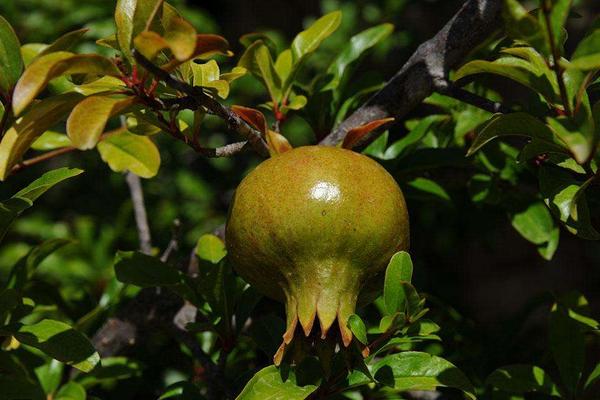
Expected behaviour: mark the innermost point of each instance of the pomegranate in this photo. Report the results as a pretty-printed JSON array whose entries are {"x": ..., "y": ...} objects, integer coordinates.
[{"x": 310, "y": 227}]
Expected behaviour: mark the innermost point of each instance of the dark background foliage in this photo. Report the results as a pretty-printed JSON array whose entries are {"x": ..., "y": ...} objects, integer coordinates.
[{"x": 488, "y": 284}]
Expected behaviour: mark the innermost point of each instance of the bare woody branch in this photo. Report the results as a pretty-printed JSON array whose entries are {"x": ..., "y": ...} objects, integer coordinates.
[
  {"x": 196, "y": 98},
  {"x": 139, "y": 208},
  {"x": 426, "y": 69}
]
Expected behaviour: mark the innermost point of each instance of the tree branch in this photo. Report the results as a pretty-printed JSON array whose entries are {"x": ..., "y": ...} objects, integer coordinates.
[
  {"x": 451, "y": 90},
  {"x": 196, "y": 97},
  {"x": 427, "y": 68},
  {"x": 41, "y": 158},
  {"x": 139, "y": 208}
]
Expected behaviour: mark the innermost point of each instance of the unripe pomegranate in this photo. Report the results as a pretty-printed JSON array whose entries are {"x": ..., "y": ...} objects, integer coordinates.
[{"x": 310, "y": 227}]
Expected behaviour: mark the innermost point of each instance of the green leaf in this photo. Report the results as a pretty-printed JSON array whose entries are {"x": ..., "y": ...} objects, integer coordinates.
[
  {"x": 71, "y": 391},
  {"x": 587, "y": 54},
  {"x": 358, "y": 45},
  {"x": 522, "y": 379},
  {"x": 9, "y": 300},
  {"x": 13, "y": 207},
  {"x": 208, "y": 75},
  {"x": 411, "y": 141},
  {"x": 399, "y": 270},
  {"x": 42, "y": 70},
  {"x": 568, "y": 347},
  {"x": 26, "y": 266},
  {"x": 534, "y": 223},
  {"x": 89, "y": 118},
  {"x": 358, "y": 328},
  {"x": 519, "y": 124},
  {"x": 558, "y": 13},
  {"x": 411, "y": 370},
  {"x": 50, "y": 375},
  {"x": 577, "y": 138},
  {"x": 517, "y": 69},
  {"x": 103, "y": 84},
  {"x": 51, "y": 140},
  {"x": 59, "y": 341},
  {"x": 125, "y": 151},
  {"x": 210, "y": 248},
  {"x": 11, "y": 63},
  {"x": 131, "y": 18},
  {"x": 521, "y": 25},
  {"x": 268, "y": 384},
  {"x": 182, "y": 391},
  {"x": 284, "y": 65},
  {"x": 593, "y": 377},
  {"x": 565, "y": 197},
  {"x": 19, "y": 138},
  {"x": 429, "y": 187},
  {"x": 257, "y": 59},
  {"x": 145, "y": 271},
  {"x": 310, "y": 39},
  {"x": 111, "y": 370}
]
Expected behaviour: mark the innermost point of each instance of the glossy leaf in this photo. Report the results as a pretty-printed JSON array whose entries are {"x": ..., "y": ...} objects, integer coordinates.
[
  {"x": 26, "y": 130},
  {"x": 125, "y": 151},
  {"x": 578, "y": 138},
  {"x": 51, "y": 140},
  {"x": 277, "y": 143},
  {"x": 284, "y": 65},
  {"x": 210, "y": 248},
  {"x": 310, "y": 39},
  {"x": 268, "y": 383},
  {"x": 411, "y": 370},
  {"x": 257, "y": 59},
  {"x": 104, "y": 84},
  {"x": 593, "y": 377},
  {"x": 59, "y": 341},
  {"x": 179, "y": 38},
  {"x": 357, "y": 46},
  {"x": 399, "y": 270},
  {"x": 22, "y": 200},
  {"x": 131, "y": 18},
  {"x": 252, "y": 117},
  {"x": 42, "y": 70},
  {"x": 411, "y": 141},
  {"x": 522, "y": 379},
  {"x": 522, "y": 25},
  {"x": 358, "y": 328},
  {"x": 535, "y": 224},
  {"x": 565, "y": 197},
  {"x": 50, "y": 375},
  {"x": 208, "y": 75},
  {"x": 355, "y": 135},
  {"x": 557, "y": 16},
  {"x": 519, "y": 124},
  {"x": 89, "y": 118},
  {"x": 11, "y": 63}
]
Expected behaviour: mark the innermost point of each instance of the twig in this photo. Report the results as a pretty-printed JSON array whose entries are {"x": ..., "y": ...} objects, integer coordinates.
[
  {"x": 141, "y": 217},
  {"x": 471, "y": 25},
  {"x": 44, "y": 157},
  {"x": 451, "y": 90},
  {"x": 174, "y": 242},
  {"x": 546, "y": 6},
  {"x": 201, "y": 99}
]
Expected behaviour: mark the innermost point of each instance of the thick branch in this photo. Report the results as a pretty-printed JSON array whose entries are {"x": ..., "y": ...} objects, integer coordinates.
[
  {"x": 201, "y": 99},
  {"x": 470, "y": 26},
  {"x": 451, "y": 90}
]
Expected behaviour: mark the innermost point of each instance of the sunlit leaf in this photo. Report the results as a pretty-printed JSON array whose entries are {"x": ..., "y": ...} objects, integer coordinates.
[
  {"x": 587, "y": 54},
  {"x": 11, "y": 63},
  {"x": 411, "y": 370},
  {"x": 125, "y": 151},
  {"x": 42, "y": 70},
  {"x": 71, "y": 391},
  {"x": 357, "y": 46},
  {"x": 210, "y": 248},
  {"x": 65, "y": 42},
  {"x": 358, "y": 328},
  {"x": 24, "y": 131},
  {"x": 355, "y": 135},
  {"x": 310, "y": 39},
  {"x": 208, "y": 75},
  {"x": 131, "y": 18},
  {"x": 277, "y": 143},
  {"x": 399, "y": 270},
  {"x": 51, "y": 140},
  {"x": 257, "y": 59},
  {"x": 429, "y": 187},
  {"x": 104, "y": 84},
  {"x": 59, "y": 341},
  {"x": 268, "y": 383},
  {"x": 89, "y": 118}
]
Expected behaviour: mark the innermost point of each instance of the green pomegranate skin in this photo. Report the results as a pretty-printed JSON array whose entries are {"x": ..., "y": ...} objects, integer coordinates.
[{"x": 310, "y": 226}]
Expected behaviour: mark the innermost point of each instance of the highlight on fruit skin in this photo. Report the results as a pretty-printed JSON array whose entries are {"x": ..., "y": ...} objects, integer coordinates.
[{"x": 309, "y": 227}]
